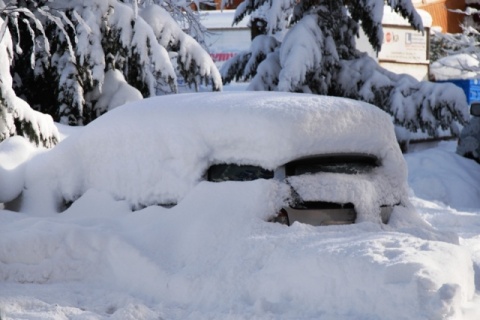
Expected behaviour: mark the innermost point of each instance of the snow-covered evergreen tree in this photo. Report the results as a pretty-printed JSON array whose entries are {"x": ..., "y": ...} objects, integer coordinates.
[
  {"x": 318, "y": 55},
  {"x": 16, "y": 116},
  {"x": 64, "y": 48}
]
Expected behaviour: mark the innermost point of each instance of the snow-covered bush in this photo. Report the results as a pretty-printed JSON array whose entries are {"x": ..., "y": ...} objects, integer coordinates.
[
  {"x": 64, "y": 49},
  {"x": 318, "y": 55}
]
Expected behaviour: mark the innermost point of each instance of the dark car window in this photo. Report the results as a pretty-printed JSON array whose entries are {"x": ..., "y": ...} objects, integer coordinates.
[
  {"x": 235, "y": 172},
  {"x": 345, "y": 163}
]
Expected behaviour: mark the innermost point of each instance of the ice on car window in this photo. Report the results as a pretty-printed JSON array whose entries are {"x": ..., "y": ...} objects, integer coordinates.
[
  {"x": 234, "y": 172},
  {"x": 349, "y": 164}
]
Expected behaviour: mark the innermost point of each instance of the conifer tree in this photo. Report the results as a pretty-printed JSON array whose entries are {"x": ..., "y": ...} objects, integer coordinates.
[
  {"x": 16, "y": 116},
  {"x": 63, "y": 50},
  {"x": 318, "y": 55}
]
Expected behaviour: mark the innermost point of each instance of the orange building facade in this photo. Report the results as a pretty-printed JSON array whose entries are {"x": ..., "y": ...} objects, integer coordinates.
[
  {"x": 441, "y": 13},
  {"x": 440, "y": 10},
  {"x": 217, "y": 5}
]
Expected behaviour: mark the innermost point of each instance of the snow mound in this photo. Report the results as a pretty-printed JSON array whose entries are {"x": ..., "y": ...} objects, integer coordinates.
[
  {"x": 213, "y": 257},
  {"x": 116, "y": 92},
  {"x": 433, "y": 175},
  {"x": 14, "y": 153},
  {"x": 156, "y": 150}
]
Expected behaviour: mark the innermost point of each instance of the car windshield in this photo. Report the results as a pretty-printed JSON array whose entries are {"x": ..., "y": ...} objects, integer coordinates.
[
  {"x": 235, "y": 172},
  {"x": 346, "y": 163}
]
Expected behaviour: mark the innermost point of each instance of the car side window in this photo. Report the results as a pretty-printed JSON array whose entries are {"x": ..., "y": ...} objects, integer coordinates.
[
  {"x": 344, "y": 163},
  {"x": 235, "y": 172}
]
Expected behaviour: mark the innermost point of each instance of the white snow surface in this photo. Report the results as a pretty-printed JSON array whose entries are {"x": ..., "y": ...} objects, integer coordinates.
[
  {"x": 116, "y": 91},
  {"x": 213, "y": 256},
  {"x": 182, "y": 135},
  {"x": 14, "y": 153}
]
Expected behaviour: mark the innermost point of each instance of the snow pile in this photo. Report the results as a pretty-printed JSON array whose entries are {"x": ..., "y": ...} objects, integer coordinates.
[
  {"x": 155, "y": 151},
  {"x": 213, "y": 256},
  {"x": 450, "y": 170},
  {"x": 116, "y": 92},
  {"x": 14, "y": 153}
]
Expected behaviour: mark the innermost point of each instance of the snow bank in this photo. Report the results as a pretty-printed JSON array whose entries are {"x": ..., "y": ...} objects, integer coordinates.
[
  {"x": 116, "y": 92},
  {"x": 464, "y": 175},
  {"x": 213, "y": 257}
]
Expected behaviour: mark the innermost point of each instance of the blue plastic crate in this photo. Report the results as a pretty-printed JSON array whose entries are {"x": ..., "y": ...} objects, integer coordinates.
[{"x": 471, "y": 87}]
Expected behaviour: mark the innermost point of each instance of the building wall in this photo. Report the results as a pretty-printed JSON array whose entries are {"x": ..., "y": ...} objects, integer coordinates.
[
  {"x": 439, "y": 10},
  {"x": 218, "y": 5}
]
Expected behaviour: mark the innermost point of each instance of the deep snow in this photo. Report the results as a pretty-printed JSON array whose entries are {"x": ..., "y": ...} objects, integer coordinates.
[
  {"x": 219, "y": 259},
  {"x": 182, "y": 135}
]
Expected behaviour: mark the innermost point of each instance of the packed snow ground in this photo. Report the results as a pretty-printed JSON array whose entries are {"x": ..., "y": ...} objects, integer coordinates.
[{"x": 219, "y": 259}]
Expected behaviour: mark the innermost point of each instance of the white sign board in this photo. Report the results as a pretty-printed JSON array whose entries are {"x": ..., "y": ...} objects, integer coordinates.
[{"x": 404, "y": 45}]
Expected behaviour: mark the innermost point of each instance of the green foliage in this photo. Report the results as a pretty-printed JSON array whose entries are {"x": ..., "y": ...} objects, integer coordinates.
[
  {"x": 64, "y": 49},
  {"x": 318, "y": 55}
]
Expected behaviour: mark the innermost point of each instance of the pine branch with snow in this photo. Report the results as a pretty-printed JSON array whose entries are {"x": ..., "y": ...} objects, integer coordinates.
[
  {"x": 243, "y": 66},
  {"x": 75, "y": 43},
  {"x": 318, "y": 55},
  {"x": 16, "y": 116},
  {"x": 415, "y": 105}
]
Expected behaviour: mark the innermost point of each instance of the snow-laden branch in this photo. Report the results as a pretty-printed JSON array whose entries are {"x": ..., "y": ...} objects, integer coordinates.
[
  {"x": 195, "y": 63},
  {"x": 243, "y": 66},
  {"x": 416, "y": 105},
  {"x": 302, "y": 52},
  {"x": 318, "y": 55},
  {"x": 82, "y": 40},
  {"x": 16, "y": 116}
]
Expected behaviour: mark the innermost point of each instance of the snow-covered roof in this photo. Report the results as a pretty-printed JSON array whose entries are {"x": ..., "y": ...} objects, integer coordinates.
[
  {"x": 458, "y": 66},
  {"x": 221, "y": 19},
  {"x": 157, "y": 149}
]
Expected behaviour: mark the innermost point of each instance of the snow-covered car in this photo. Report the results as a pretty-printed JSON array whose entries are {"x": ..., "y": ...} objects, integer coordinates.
[
  {"x": 469, "y": 141},
  {"x": 330, "y": 160},
  {"x": 305, "y": 204}
]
